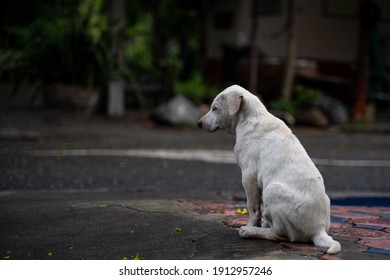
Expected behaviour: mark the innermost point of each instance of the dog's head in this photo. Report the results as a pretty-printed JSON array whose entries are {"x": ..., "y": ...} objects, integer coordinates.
[{"x": 224, "y": 110}]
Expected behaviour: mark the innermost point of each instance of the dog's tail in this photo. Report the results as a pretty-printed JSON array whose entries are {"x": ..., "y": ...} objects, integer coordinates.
[{"x": 322, "y": 239}]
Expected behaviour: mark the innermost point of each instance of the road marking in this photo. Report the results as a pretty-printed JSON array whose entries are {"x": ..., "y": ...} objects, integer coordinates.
[{"x": 212, "y": 156}]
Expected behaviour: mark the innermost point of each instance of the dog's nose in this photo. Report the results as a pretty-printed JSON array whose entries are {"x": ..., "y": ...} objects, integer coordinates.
[{"x": 200, "y": 123}]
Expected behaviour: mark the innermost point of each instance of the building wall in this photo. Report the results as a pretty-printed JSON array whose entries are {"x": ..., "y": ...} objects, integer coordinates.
[{"x": 319, "y": 36}]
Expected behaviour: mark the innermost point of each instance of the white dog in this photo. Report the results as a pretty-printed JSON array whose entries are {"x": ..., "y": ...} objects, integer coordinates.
[{"x": 275, "y": 169}]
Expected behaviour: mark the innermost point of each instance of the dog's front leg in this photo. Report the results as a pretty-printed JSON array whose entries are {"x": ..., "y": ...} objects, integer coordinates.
[{"x": 253, "y": 196}]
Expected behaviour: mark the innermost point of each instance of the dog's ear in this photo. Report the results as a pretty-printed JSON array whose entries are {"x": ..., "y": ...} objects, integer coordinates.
[{"x": 234, "y": 101}]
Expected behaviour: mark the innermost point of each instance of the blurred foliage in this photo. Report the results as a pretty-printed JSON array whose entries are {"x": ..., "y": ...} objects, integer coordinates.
[
  {"x": 91, "y": 18},
  {"x": 196, "y": 89},
  {"x": 164, "y": 40},
  {"x": 69, "y": 41},
  {"x": 69, "y": 44},
  {"x": 138, "y": 50},
  {"x": 303, "y": 98}
]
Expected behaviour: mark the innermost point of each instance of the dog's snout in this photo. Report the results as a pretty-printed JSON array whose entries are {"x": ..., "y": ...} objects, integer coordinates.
[{"x": 200, "y": 123}]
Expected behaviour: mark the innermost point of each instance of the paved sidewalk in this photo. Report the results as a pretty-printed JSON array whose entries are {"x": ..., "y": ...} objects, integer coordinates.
[{"x": 100, "y": 225}]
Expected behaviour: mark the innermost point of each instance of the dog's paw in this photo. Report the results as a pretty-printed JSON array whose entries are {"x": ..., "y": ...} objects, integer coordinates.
[{"x": 245, "y": 231}]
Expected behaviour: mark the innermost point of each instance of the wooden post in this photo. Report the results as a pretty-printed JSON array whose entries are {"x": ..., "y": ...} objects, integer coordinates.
[
  {"x": 254, "y": 60},
  {"x": 289, "y": 73},
  {"x": 369, "y": 15}
]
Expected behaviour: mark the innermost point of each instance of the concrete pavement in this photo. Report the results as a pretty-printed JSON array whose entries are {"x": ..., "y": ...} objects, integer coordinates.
[{"x": 124, "y": 206}]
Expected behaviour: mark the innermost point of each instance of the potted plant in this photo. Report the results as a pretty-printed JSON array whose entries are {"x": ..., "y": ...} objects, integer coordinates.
[{"x": 65, "y": 54}]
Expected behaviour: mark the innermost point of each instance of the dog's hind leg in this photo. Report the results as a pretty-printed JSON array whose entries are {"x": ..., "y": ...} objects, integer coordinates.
[{"x": 258, "y": 232}]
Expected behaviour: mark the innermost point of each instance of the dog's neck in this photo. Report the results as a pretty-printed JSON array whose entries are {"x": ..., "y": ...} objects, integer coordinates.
[
  {"x": 251, "y": 110},
  {"x": 255, "y": 114}
]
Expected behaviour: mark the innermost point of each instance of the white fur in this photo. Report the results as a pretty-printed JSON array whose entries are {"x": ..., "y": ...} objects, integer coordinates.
[{"x": 276, "y": 171}]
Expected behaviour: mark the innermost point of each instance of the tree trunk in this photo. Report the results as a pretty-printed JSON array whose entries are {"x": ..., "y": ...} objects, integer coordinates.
[{"x": 116, "y": 88}]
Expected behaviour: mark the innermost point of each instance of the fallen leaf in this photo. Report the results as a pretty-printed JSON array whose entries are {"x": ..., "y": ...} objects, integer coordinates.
[
  {"x": 178, "y": 229},
  {"x": 242, "y": 211},
  {"x": 138, "y": 257}
]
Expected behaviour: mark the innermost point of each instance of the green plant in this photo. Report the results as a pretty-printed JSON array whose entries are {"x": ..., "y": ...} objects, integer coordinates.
[
  {"x": 196, "y": 89},
  {"x": 283, "y": 105},
  {"x": 303, "y": 98},
  {"x": 66, "y": 46},
  {"x": 138, "y": 50}
]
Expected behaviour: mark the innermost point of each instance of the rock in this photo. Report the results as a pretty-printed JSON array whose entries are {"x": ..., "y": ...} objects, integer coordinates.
[
  {"x": 333, "y": 109},
  {"x": 312, "y": 117},
  {"x": 178, "y": 111}
]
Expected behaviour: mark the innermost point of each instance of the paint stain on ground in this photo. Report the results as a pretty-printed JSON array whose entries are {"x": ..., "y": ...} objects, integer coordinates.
[{"x": 367, "y": 227}]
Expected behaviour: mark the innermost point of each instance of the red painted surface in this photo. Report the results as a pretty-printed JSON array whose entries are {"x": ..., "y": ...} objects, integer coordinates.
[
  {"x": 367, "y": 227},
  {"x": 376, "y": 243}
]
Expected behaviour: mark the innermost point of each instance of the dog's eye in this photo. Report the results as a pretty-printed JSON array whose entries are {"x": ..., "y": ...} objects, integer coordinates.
[{"x": 214, "y": 109}]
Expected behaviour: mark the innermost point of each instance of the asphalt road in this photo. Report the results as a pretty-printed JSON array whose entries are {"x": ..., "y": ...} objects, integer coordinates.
[{"x": 20, "y": 170}]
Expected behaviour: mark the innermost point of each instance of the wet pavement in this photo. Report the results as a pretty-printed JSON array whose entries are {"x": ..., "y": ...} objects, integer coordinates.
[{"x": 116, "y": 201}]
